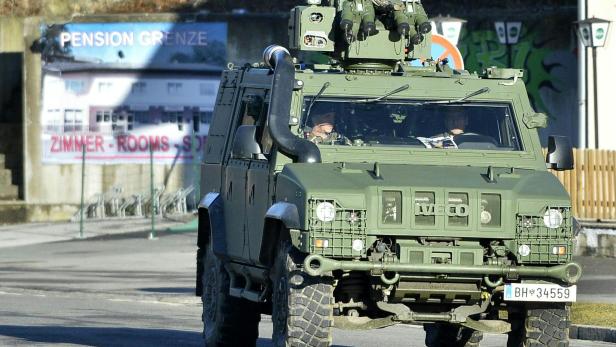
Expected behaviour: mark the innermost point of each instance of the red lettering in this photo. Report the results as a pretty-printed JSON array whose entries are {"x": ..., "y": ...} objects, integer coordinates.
[
  {"x": 55, "y": 144},
  {"x": 89, "y": 143},
  {"x": 154, "y": 143},
  {"x": 78, "y": 143},
  {"x": 67, "y": 143},
  {"x": 121, "y": 143},
  {"x": 132, "y": 143},
  {"x": 74, "y": 143},
  {"x": 144, "y": 144},
  {"x": 187, "y": 143},
  {"x": 99, "y": 143},
  {"x": 165, "y": 143}
]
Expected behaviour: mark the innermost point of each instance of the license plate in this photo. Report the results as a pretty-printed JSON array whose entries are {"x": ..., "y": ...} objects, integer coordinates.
[{"x": 539, "y": 292}]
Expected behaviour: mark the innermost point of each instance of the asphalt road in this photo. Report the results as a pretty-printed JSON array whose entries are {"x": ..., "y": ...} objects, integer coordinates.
[{"x": 128, "y": 291}]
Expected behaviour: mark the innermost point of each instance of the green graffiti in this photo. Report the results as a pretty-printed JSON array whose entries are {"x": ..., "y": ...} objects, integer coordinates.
[{"x": 482, "y": 49}]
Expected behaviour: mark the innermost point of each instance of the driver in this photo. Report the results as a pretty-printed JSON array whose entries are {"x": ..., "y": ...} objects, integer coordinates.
[
  {"x": 322, "y": 131},
  {"x": 455, "y": 123}
]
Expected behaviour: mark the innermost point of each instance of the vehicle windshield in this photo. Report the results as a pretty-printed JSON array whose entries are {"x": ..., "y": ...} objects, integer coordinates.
[{"x": 480, "y": 126}]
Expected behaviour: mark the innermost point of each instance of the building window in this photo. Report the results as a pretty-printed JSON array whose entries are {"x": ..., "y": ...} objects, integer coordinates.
[
  {"x": 73, "y": 121},
  {"x": 103, "y": 116},
  {"x": 207, "y": 88},
  {"x": 144, "y": 117},
  {"x": 104, "y": 87},
  {"x": 130, "y": 121},
  {"x": 119, "y": 123},
  {"x": 174, "y": 88},
  {"x": 54, "y": 122},
  {"x": 138, "y": 88},
  {"x": 172, "y": 117},
  {"x": 74, "y": 86}
]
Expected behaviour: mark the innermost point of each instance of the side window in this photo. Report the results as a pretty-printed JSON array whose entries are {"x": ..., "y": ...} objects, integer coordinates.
[
  {"x": 251, "y": 109},
  {"x": 266, "y": 140},
  {"x": 254, "y": 112}
]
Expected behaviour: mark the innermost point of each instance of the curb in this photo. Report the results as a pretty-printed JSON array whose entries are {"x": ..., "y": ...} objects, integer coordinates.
[{"x": 592, "y": 333}]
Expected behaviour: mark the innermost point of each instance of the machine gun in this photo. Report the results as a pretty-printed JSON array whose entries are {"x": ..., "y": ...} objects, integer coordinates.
[{"x": 363, "y": 34}]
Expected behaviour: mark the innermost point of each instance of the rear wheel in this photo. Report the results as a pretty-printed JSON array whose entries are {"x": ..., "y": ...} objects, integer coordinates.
[
  {"x": 542, "y": 324},
  {"x": 450, "y": 335},
  {"x": 222, "y": 313},
  {"x": 302, "y": 311}
]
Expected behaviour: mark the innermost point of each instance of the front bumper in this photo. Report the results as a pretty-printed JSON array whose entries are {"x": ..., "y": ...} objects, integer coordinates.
[{"x": 569, "y": 273}]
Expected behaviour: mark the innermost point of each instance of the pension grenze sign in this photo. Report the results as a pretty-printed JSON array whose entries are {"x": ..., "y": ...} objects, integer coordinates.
[{"x": 117, "y": 91}]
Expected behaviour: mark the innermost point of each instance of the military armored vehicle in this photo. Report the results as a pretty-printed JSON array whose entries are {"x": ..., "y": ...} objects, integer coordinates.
[{"x": 378, "y": 187}]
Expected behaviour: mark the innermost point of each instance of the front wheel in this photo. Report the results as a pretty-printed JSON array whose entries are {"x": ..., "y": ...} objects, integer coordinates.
[
  {"x": 302, "y": 305},
  {"x": 541, "y": 324},
  {"x": 222, "y": 313}
]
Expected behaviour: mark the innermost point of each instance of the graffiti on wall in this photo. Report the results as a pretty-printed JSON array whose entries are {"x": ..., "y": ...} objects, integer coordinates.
[{"x": 550, "y": 65}]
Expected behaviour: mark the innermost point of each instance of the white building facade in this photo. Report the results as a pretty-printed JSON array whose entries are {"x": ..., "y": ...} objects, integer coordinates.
[{"x": 116, "y": 114}]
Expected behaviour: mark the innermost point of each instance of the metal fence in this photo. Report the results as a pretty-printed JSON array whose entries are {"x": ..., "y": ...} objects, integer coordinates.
[
  {"x": 150, "y": 190},
  {"x": 592, "y": 184}
]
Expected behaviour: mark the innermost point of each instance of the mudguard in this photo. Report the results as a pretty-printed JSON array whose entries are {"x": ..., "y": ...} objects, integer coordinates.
[
  {"x": 212, "y": 224},
  {"x": 280, "y": 217}
]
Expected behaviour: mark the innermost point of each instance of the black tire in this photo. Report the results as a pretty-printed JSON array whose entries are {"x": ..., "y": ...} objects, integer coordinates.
[
  {"x": 450, "y": 335},
  {"x": 223, "y": 314},
  {"x": 302, "y": 305},
  {"x": 539, "y": 325}
]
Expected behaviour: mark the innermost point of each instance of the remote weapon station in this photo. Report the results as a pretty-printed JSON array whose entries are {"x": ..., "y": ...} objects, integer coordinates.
[{"x": 380, "y": 186}]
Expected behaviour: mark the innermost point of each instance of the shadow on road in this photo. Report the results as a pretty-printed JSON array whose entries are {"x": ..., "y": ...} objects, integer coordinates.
[
  {"x": 108, "y": 336},
  {"x": 99, "y": 336}
]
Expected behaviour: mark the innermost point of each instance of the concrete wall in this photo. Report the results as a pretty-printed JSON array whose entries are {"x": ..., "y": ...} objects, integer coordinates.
[
  {"x": 11, "y": 33},
  {"x": 606, "y": 78}
]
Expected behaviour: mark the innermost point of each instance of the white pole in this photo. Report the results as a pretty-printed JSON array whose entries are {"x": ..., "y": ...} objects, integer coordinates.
[{"x": 582, "y": 82}]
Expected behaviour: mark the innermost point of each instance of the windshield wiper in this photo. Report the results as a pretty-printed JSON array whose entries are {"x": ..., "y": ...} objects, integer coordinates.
[
  {"x": 314, "y": 99},
  {"x": 456, "y": 101},
  {"x": 395, "y": 91}
]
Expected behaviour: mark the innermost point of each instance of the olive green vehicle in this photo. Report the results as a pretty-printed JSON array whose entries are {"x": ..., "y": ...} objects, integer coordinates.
[{"x": 382, "y": 187}]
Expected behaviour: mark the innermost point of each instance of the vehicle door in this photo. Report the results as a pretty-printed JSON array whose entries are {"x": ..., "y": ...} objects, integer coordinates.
[
  {"x": 236, "y": 189},
  {"x": 258, "y": 184}
]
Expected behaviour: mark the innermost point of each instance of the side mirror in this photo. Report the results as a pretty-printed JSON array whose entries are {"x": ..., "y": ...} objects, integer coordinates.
[
  {"x": 560, "y": 153},
  {"x": 244, "y": 144}
]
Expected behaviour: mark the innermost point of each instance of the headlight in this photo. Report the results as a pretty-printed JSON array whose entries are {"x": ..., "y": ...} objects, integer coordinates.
[
  {"x": 326, "y": 212},
  {"x": 357, "y": 245},
  {"x": 553, "y": 218},
  {"x": 524, "y": 250}
]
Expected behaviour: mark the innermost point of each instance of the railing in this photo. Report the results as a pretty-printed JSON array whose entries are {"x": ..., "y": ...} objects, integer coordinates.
[{"x": 592, "y": 184}]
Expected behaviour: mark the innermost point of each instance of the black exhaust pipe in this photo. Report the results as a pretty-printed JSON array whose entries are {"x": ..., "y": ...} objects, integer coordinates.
[{"x": 302, "y": 150}]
